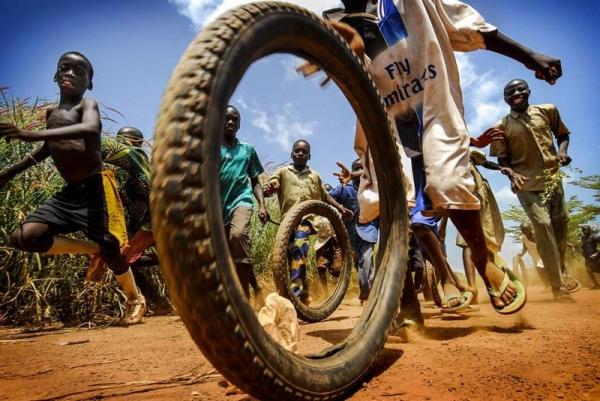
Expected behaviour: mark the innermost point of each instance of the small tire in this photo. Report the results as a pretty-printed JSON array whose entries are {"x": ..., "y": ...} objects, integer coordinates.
[{"x": 280, "y": 260}]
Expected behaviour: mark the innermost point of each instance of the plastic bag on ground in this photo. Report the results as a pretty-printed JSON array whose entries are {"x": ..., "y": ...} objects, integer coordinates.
[{"x": 278, "y": 317}]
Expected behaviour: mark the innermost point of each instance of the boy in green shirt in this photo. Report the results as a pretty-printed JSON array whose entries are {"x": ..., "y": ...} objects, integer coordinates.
[
  {"x": 240, "y": 168},
  {"x": 293, "y": 184}
]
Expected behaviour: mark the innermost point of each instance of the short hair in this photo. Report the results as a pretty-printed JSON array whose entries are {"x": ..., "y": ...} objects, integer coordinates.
[
  {"x": 299, "y": 141},
  {"x": 516, "y": 79},
  {"x": 130, "y": 132},
  {"x": 356, "y": 163},
  {"x": 233, "y": 107},
  {"x": 88, "y": 63}
]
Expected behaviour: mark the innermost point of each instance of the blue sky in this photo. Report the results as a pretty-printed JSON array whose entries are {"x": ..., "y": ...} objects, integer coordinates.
[{"x": 135, "y": 44}]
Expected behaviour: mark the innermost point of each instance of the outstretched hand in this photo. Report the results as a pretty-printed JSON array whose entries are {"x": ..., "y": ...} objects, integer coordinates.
[
  {"x": 490, "y": 135},
  {"x": 10, "y": 131},
  {"x": 347, "y": 214},
  {"x": 344, "y": 175},
  {"x": 516, "y": 180},
  {"x": 546, "y": 68},
  {"x": 270, "y": 189}
]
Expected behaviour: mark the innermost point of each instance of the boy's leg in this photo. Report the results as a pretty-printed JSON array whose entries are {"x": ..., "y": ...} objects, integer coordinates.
[
  {"x": 239, "y": 245},
  {"x": 324, "y": 256},
  {"x": 410, "y": 309},
  {"x": 366, "y": 272},
  {"x": 468, "y": 224},
  {"x": 363, "y": 274},
  {"x": 544, "y": 235},
  {"x": 32, "y": 237},
  {"x": 559, "y": 216},
  {"x": 433, "y": 248},
  {"x": 470, "y": 272},
  {"x": 38, "y": 237},
  {"x": 110, "y": 252},
  {"x": 62, "y": 245},
  {"x": 299, "y": 253},
  {"x": 592, "y": 276}
]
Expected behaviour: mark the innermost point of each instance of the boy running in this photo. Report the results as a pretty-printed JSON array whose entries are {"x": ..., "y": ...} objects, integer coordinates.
[
  {"x": 293, "y": 184},
  {"x": 89, "y": 202},
  {"x": 528, "y": 148},
  {"x": 411, "y": 46},
  {"x": 240, "y": 168}
]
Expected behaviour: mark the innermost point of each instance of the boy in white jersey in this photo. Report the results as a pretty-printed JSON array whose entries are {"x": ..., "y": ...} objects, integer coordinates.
[{"x": 411, "y": 48}]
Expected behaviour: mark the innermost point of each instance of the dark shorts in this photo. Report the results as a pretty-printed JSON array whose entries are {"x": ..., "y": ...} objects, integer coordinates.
[{"x": 77, "y": 207}]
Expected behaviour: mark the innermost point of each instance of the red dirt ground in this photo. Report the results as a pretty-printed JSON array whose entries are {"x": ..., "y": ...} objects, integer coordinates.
[{"x": 549, "y": 351}]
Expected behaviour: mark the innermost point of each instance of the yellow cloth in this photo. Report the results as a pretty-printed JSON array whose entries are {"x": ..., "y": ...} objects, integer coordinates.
[
  {"x": 114, "y": 208},
  {"x": 528, "y": 142},
  {"x": 491, "y": 219},
  {"x": 295, "y": 186}
]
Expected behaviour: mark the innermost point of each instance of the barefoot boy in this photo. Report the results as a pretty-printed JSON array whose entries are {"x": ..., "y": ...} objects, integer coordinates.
[{"x": 87, "y": 202}]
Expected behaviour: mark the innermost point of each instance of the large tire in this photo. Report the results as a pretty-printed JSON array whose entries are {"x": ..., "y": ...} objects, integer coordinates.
[
  {"x": 280, "y": 260},
  {"x": 187, "y": 216}
]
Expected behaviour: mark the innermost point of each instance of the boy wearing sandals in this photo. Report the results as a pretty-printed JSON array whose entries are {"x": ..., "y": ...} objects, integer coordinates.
[{"x": 411, "y": 45}]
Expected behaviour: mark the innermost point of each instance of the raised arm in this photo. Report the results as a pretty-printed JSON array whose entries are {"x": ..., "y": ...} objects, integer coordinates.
[
  {"x": 346, "y": 213},
  {"x": 89, "y": 125},
  {"x": 31, "y": 159},
  {"x": 546, "y": 67}
]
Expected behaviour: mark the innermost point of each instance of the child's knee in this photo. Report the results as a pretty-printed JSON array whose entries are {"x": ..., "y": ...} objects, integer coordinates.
[
  {"x": 28, "y": 240},
  {"x": 110, "y": 252}
]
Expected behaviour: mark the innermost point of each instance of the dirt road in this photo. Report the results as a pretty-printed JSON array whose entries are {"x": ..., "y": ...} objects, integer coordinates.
[{"x": 547, "y": 352}]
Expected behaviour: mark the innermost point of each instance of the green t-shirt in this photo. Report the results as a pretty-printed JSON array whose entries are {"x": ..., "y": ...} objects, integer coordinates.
[{"x": 239, "y": 163}]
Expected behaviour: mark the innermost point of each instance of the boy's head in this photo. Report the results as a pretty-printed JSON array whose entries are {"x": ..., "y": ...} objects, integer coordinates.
[
  {"x": 327, "y": 187},
  {"x": 586, "y": 230},
  {"x": 516, "y": 94},
  {"x": 300, "y": 153},
  {"x": 232, "y": 121},
  {"x": 131, "y": 135},
  {"x": 74, "y": 73}
]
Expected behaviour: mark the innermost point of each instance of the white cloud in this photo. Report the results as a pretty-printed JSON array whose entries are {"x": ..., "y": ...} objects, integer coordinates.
[
  {"x": 506, "y": 197},
  {"x": 289, "y": 64},
  {"x": 482, "y": 95},
  {"x": 201, "y": 12},
  {"x": 282, "y": 126}
]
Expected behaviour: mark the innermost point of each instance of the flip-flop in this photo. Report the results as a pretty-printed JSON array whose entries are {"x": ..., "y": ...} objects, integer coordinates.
[
  {"x": 520, "y": 299},
  {"x": 467, "y": 295},
  {"x": 576, "y": 285}
]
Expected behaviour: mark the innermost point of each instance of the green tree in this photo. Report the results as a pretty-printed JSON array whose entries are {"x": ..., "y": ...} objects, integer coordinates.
[{"x": 579, "y": 212}]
